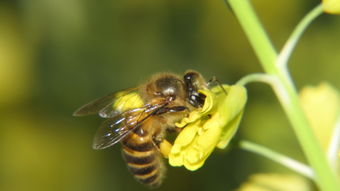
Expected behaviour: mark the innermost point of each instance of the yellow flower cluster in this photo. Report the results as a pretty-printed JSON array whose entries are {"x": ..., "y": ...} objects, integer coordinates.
[{"x": 214, "y": 125}]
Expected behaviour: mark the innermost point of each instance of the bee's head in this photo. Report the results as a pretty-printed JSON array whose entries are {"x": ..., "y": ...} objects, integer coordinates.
[
  {"x": 171, "y": 87},
  {"x": 193, "y": 82}
]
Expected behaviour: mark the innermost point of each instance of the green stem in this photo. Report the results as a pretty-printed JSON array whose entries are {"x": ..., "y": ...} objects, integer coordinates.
[
  {"x": 286, "y": 93},
  {"x": 279, "y": 158},
  {"x": 260, "y": 41},
  {"x": 334, "y": 146},
  {"x": 257, "y": 77},
  {"x": 288, "y": 48}
]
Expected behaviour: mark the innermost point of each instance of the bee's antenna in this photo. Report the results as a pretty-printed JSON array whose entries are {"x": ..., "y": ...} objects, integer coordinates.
[{"x": 215, "y": 80}]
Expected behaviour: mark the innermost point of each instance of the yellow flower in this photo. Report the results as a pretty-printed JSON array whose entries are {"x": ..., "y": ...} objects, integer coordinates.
[
  {"x": 321, "y": 105},
  {"x": 331, "y": 6},
  {"x": 212, "y": 126},
  {"x": 282, "y": 182}
]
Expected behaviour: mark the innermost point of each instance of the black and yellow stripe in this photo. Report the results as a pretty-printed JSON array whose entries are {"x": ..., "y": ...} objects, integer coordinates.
[{"x": 143, "y": 159}]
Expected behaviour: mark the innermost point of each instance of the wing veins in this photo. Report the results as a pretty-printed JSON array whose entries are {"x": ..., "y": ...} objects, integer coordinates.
[
  {"x": 112, "y": 135},
  {"x": 101, "y": 103}
]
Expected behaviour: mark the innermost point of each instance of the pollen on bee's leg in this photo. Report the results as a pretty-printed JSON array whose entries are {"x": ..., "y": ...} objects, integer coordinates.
[{"x": 165, "y": 148}]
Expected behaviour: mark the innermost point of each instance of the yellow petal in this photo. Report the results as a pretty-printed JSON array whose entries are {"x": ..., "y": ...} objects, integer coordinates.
[
  {"x": 331, "y": 6},
  {"x": 201, "y": 148},
  {"x": 191, "y": 162},
  {"x": 269, "y": 182},
  {"x": 321, "y": 105},
  {"x": 234, "y": 103},
  {"x": 185, "y": 138},
  {"x": 229, "y": 131},
  {"x": 232, "y": 112}
]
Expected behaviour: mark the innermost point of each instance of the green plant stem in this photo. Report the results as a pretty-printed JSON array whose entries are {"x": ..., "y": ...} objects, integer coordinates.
[
  {"x": 260, "y": 41},
  {"x": 286, "y": 93},
  {"x": 288, "y": 48},
  {"x": 257, "y": 77},
  {"x": 279, "y": 158},
  {"x": 334, "y": 146}
]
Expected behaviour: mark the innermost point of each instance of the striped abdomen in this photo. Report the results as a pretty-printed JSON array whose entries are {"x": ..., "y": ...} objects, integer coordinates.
[{"x": 143, "y": 158}]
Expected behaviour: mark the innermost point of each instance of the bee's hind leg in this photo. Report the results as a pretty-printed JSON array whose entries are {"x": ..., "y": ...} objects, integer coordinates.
[{"x": 163, "y": 146}]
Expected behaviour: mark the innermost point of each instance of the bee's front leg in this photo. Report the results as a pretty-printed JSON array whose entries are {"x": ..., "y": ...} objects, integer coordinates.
[{"x": 171, "y": 109}]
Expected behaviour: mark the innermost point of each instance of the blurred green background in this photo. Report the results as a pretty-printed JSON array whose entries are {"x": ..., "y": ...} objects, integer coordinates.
[{"x": 56, "y": 55}]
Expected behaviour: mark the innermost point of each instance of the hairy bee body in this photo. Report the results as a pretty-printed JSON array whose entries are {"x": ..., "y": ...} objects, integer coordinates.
[
  {"x": 139, "y": 117},
  {"x": 140, "y": 148},
  {"x": 142, "y": 155}
]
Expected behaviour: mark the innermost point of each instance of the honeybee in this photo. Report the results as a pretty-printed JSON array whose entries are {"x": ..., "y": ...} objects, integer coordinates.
[{"x": 139, "y": 118}]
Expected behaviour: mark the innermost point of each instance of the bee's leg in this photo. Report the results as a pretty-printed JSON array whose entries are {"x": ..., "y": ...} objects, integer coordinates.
[
  {"x": 171, "y": 109},
  {"x": 163, "y": 146},
  {"x": 174, "y": 130},
  {"x": 215, "y": 80}
]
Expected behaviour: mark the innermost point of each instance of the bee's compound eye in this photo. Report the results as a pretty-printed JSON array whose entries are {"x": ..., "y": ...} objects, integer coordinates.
[
  {"x": 190, "y": 76},
  {"x": 187, "y": 77}
]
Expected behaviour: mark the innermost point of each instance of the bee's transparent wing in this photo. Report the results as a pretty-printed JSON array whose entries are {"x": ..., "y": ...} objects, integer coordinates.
[
  {"x": 111, "y": 132},
  {"x": 115, "y": 129},
  {"x": 119, "y": 126},
  {"x": 102, "y": 105},
  {"x": 109, "y": 112}
]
